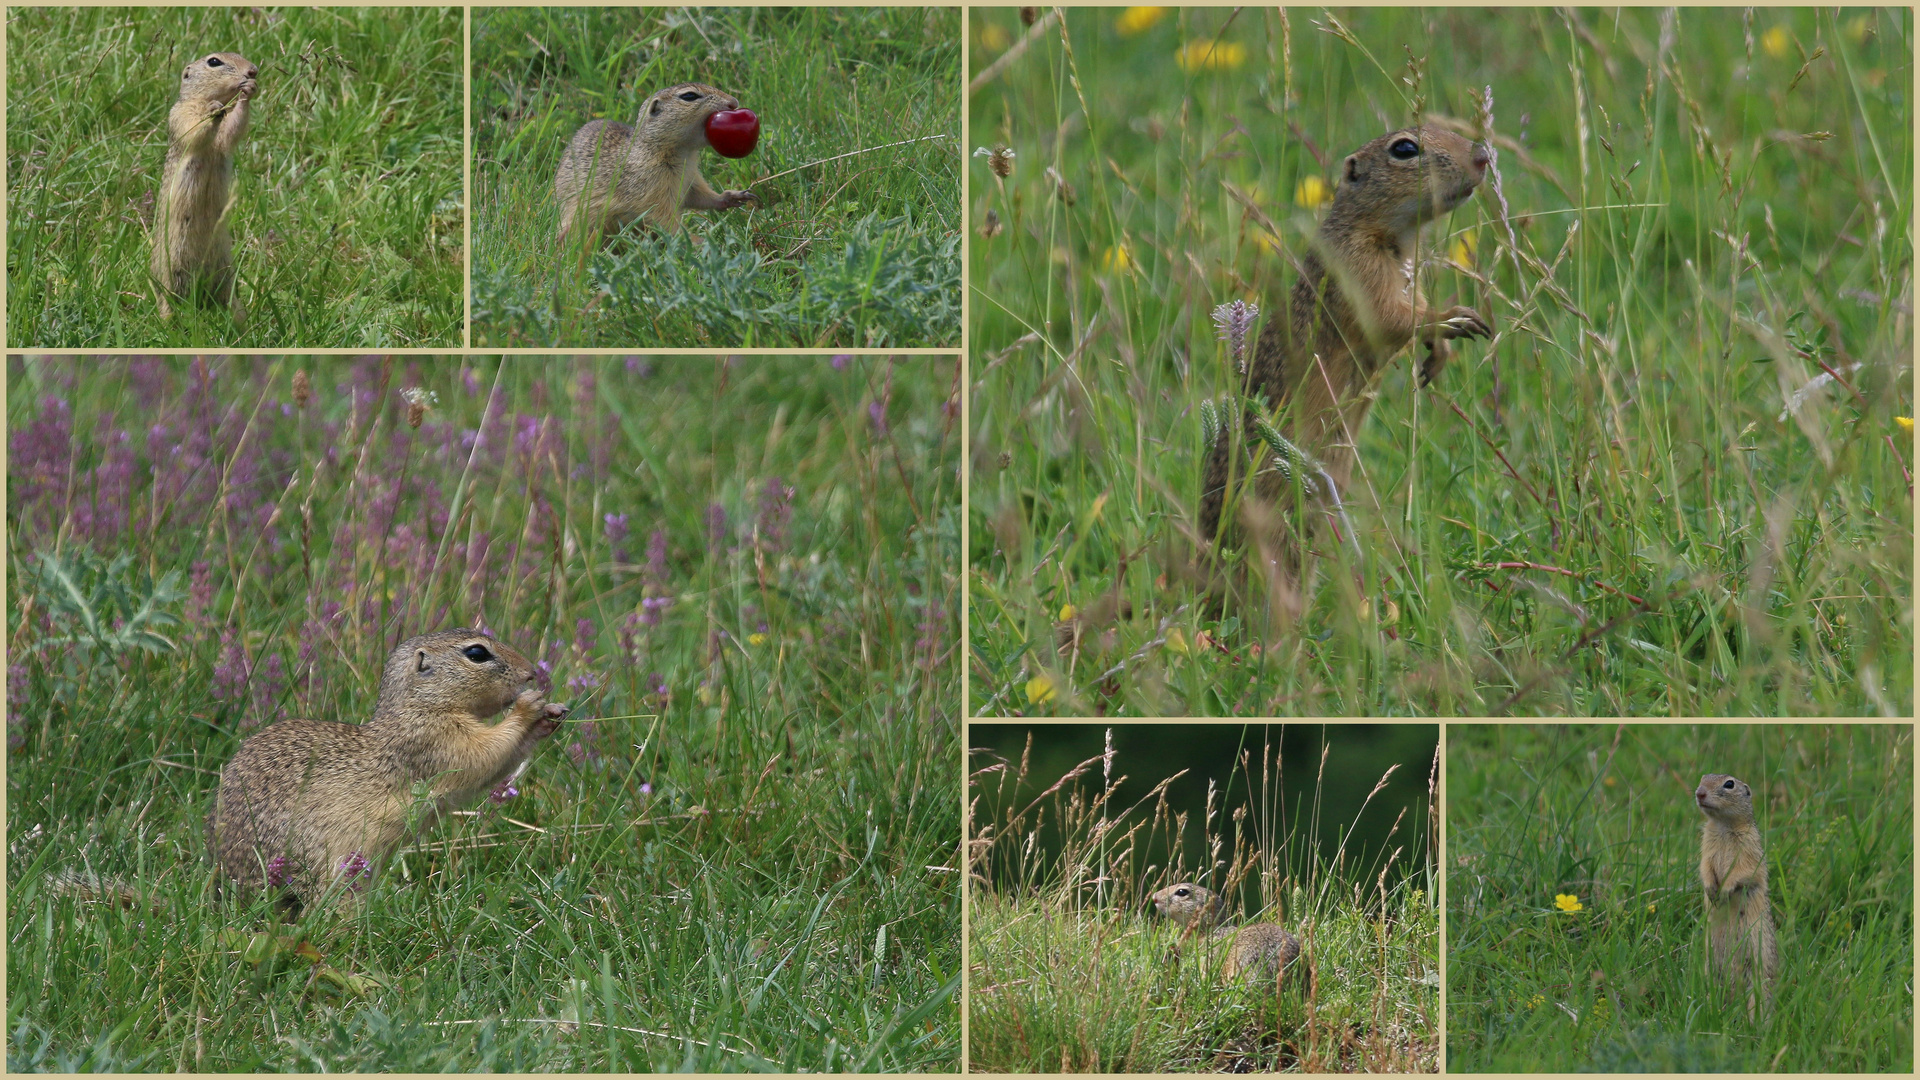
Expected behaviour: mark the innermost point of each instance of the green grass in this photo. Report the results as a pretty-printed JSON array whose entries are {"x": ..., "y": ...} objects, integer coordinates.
[
  {"x": 858, "y": 252},
  {"x": 1600, "y": 513},
  {"x": 1071, "y": 972},
  {"x": 739, "y": 852},
  {"x": 348, "y": 214},
  {"x": 1606, "y": 814}
]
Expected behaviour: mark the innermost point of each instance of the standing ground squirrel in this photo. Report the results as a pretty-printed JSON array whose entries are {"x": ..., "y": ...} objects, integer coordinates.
[
  {"x": 1733, "y": 872},
  {"x": 612, "y": 173},
  {"x": 1355, "y": 305},
  {"x": 1262, "y": 949},
  {"x": 192, "y": 253},
  {"x": 307, "y": 802}
]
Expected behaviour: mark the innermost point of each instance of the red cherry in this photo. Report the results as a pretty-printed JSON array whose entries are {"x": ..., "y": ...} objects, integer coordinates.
[{"x": 733, "y": 134}]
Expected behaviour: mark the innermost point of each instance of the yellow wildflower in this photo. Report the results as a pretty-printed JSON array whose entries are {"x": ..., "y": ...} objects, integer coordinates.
[
  {"x": 1463, "y": 248},
  {"x": 1312, "y": 193},
  {"x": 1567, "y": 903},
  {"x": 1041, "y": 689},
  {"x": 1177, "y": 642},
  {"x": 756, "y": 639},
  {"x": 1905, "y": 422},
  {"x": 1137, "y": 20},
  {"x": 1211, "y": 56},
  {"x": 1117, "y": 258},
  {"x": 994, "y": 38},
  {"x": 1067, "y": 612},
  {"x": 1774, "y": 42}
]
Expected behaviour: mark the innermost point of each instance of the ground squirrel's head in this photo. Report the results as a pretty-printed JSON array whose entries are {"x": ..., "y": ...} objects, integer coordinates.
[
  {"x": 1724, "y": 798},
  {"x": 1410, "y": 177},
  {"x": 679, "y": 114},
  {"x": 220, "y": 76},
  {"x": 1185, "y": 904},
  {"x": 462, "y": 670}
]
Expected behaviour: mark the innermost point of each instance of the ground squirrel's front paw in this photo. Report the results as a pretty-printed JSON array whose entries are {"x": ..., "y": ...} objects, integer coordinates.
[
  {"x": 540, "y": 716},
  {"x": 1458, "y": 322},
  {"x": 549, "y": 721},
  {"x": 731, "y": 199}
]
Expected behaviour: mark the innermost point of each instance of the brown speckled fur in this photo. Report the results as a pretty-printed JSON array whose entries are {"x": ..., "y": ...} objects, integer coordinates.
[
  {"x": 315, "y": 793},
  {"x": 1354, "y": 307}
]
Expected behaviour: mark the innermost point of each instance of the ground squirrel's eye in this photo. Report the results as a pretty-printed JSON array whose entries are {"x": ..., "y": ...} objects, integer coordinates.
[
  {"x": 1180, "y": 892},
  {"x": 690, "y": 96},
  {"x": 1404, "y": 149},
  {"x": 477, "y": 653},
  {"x": 214, "y": 61},
  {"x": 1728, "y": 785}
]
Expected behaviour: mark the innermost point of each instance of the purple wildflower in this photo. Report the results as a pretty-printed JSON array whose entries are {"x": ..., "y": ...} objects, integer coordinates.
[
  {"x": 652, "y": 608},
  {"x": 657, "y": 557},
  {"x": 839, "y": 361},
  {"x": 776, "y": 509},
  {"x": 266, "y": 690},
  {"x": 277, "y": 875},
  {"x": 877, "y": 413},
  {"x": 355, "y": 870},
  {"x": 585, "y": 750},
  {"x": 199, "y": 591},
  {"x": 1233, "y": 320},
  {"x": 646, "y": 788},
  {"x": 231, "y": 673},
  {"x": 583, "y": 682},
  {"x": 585, "y": 634},
  {"x": 505, "y": 791},
  {"x": 616, "y": 528},
  {"x": 716, "y": 527}
]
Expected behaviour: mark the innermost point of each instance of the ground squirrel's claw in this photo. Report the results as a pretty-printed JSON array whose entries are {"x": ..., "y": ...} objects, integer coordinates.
[
  {"x": 1465, "y": 322},
  {"x": 740, "y": 198}
]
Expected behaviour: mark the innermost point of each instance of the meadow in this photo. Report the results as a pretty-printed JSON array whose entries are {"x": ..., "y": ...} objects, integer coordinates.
[
  {"x": 739, "y": 851},
  {"x": 349, "y": 208},
  {"x": 1071, "y": 970},
  {"x": 857, "y": 239},
  {"x": 1677, "y": 481},
  {"x": 1574, "y": 939}
]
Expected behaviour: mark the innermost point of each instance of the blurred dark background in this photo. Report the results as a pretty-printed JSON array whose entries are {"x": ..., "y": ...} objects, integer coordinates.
[{"x": 1356, "y": 757}]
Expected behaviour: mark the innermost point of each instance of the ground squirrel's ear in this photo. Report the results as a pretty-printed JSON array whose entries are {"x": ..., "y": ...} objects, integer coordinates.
[
  {"x": 1356, "y": 169},
  {"x": 421, "y": 665},
  {"x": 654, "y": 107}
]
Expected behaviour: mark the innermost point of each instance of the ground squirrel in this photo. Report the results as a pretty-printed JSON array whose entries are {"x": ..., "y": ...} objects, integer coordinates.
[
  {"x": 192, "y": 253},
  {"x": 306, "y": 803},
  {"x": 1262, "y": 949},
  {"x": 1733, "y": 873},
  {"x": 1355, "y": 305},
  {"x": 612, "y": 173}
]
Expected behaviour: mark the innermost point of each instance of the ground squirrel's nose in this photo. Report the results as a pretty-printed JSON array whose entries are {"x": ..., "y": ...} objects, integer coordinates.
[{"x": 1481, "y": 158}]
